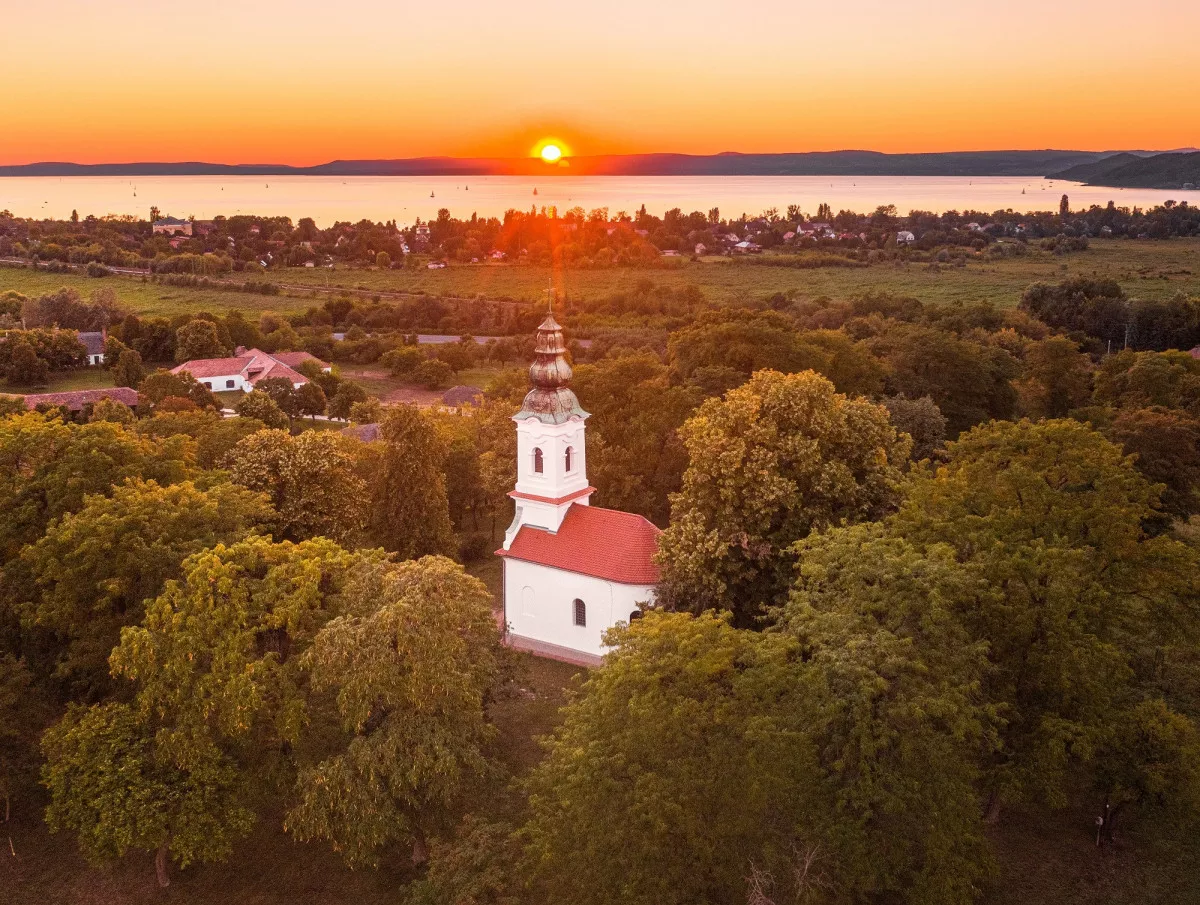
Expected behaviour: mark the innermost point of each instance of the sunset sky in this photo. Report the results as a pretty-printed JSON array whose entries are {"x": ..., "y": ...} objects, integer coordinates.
[{"x": 304, "y": 82}]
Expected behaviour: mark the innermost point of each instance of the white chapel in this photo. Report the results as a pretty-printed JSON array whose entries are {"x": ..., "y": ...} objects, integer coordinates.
[{"x": 571, "y": 570}]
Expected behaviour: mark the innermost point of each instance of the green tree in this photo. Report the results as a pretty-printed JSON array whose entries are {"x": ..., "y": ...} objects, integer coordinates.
[
  {"x": 215, "y": 436},
  {"x": 48, "y": 468},
  {"x": 383, "y": 260},
  {"x": 262, "y": 408},
  {"x": 1166, "y": 444},
  {"x": 311, "y": 480},
  {"x": 310, "y": 400},
  {"x": 348, "y": 395},
  {"x": 109, "y": 784},
  {"x": 664, "y": 787},
  {"x": 216, "y": 660},
  {"x": 22, "y": 715},
  {"x": 970, "y": 382},
  {"x": 433, "y": 373},
  {"x": 635, "y": 456},
  {"x": 128, "y": 371},
  {"x": 162, "y": 385},
  {"x": 25, "y": 368},
  {"x": 369, "y": 411},
  {"x": 282, "y": 392},
  {"x": 774, "y": 460},
  {"x": 746, "y": 342},
  {"x": 198, "y": 339},
  {"x": 112, "y": 410},
  {"x": 1057, "y": 378},
  {"x": 709, "y": 764},
  {"x": 898, "y": 713},
  {"x": 1144, "y": 379},
  {"x": 409, "y": 513},
  {"x": 93, "y": 569},
  {"x": 922, "y": 420},
  {"x": 1050, "y": 517},
  {"x": 411, "y": 740},
  {"x": 402, "y": 361}
]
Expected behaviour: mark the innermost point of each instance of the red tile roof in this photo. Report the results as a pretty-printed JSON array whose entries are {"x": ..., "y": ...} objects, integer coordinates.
[
  {"x": 77, "y": 399},
  {"x": 200, "y": 368},
  {"x": 253, "y": 365},
  {"x": 603, "y": 543}
]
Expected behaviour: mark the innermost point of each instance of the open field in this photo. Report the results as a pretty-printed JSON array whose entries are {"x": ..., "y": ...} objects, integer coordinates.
[
  {"x": 376, "y": 380},
  {"x": 64, "y": 381},
  {"x": 146, "y": 298},
  {"x": 1150, "y": 269},
  {"x": 1146, "y": 269}
]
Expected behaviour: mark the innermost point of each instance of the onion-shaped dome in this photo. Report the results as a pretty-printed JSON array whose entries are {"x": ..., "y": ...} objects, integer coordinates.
[{"x": 550, "y": 400}]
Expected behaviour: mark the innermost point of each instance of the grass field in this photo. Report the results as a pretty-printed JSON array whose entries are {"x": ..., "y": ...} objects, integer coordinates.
[
  {"x": 1146, "y": 269},
  {"x": 146, "y": 298},
  {"x": 1149, "y": 269},
  {"x": 64, "y": 381}
]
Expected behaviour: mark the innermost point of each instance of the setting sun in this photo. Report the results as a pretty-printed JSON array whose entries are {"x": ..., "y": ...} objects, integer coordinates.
[{"x": 551, "y": 153}]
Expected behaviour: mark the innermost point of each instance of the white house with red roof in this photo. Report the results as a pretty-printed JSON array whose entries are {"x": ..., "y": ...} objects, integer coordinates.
[
  {"x": 244, "y": 370},
  {"x": 571, "y": 570}
]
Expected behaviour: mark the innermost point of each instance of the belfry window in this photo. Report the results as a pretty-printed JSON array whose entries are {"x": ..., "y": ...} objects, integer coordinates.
[
  {"x": 537, "y": 461},
  {"x": 580, "y": 612},
  {"x": 570, "y": 456}
]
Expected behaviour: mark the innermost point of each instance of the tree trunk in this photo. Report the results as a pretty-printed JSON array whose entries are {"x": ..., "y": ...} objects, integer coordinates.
[
  {"x": 991, "y": 813},
  {"x": 420, "y": 853},
  {"x": 160, "y": 866}
]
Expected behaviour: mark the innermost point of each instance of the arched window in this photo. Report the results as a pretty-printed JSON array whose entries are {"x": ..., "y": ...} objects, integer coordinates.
[
  {"x": 636, "y": 614},
  {"x": 580, "y": 612},
  {"x": 570, "y": 456},
  {"x": 537, "y": 460}
]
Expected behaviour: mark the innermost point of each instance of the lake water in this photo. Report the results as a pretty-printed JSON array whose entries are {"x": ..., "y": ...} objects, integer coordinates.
[{"x": 329, "y": 199}]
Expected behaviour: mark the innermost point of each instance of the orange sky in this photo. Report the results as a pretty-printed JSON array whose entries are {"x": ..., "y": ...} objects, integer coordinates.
[{"x": 295, "y": 81}]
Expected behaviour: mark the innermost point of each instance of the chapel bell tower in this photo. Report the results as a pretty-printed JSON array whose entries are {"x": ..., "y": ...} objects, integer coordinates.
[{"x": 551, "y": 457}]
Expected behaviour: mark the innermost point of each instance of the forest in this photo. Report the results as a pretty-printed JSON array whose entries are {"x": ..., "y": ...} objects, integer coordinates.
[{"x": 929, "y": 580}]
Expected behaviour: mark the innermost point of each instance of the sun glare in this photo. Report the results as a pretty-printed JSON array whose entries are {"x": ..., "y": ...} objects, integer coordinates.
[{"x": 551, "y": 153}]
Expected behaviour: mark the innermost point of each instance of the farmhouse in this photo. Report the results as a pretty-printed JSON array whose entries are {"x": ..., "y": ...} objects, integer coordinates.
[
  {"x": 571, "y": 570},
  {"x": 244, "y": 370},
  {"x": 170, "y": 226},
  {"x": 94, "y": 341}
]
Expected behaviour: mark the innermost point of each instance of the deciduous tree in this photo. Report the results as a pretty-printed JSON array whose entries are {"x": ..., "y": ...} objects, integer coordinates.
[
  {"x": 311, "y": 480},
  {"x": 775, "y": 459},
  {"x": 412, "y": 664},
  {"x": 110, "y": 785},
  {"x": 93, "y": 569},
  {"x": 409, "y": 511}
]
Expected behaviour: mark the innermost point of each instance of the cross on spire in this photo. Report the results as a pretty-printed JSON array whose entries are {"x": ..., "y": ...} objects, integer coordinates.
[{"x": 550, "y": 294}]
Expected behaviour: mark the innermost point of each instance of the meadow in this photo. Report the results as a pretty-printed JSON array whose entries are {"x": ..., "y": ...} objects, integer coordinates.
[{"x": 1145, "y": 269}]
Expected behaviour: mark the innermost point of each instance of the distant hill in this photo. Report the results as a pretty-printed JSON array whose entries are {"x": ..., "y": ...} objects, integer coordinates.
[
  {"x": 830, "y": 163},
  {"x": 1172, "y": 170}
]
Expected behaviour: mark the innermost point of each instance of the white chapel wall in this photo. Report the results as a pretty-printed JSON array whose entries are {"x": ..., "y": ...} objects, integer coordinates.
[{"x": 539, "y": 603}]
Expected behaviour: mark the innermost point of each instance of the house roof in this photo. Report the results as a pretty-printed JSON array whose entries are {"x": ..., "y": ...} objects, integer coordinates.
[
  {"x": 603, "y": 543},
  {"x": 93, "y": 341},
  {"x": 170, "y": 221},
  {"x": 201, "y": 368},
  {"x": 253, "y": 365},
  {"x": 462, "y": 395},
  {"x": 77, "y": 399},
  {"x": 368, "y": 433}
]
